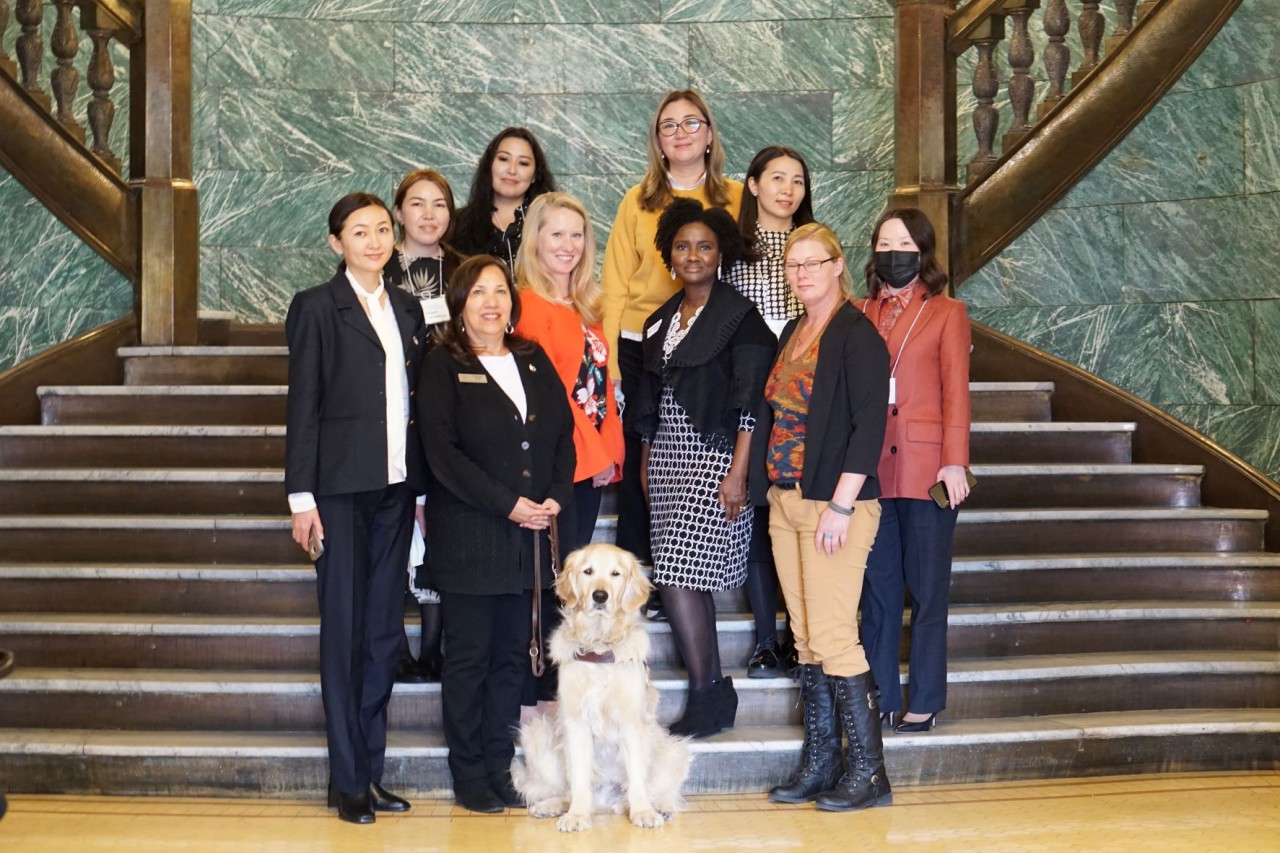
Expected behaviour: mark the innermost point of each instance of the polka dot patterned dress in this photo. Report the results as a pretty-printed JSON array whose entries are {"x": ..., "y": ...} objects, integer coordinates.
[{"x": 694, "y": 547}]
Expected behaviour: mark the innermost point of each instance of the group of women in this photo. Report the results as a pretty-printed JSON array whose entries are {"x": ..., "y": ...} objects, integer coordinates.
[{"x": 456, "y": 397}]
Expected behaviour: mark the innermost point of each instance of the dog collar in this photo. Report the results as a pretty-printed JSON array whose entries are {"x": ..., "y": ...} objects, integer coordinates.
[{"x": 594, "y": 657}]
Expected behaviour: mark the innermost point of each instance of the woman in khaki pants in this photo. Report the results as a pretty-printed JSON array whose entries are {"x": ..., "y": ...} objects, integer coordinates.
[{"x": 827, "y": 396}]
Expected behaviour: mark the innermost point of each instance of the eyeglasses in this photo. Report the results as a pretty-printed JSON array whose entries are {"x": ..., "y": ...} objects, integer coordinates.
[
  {"x": 809, "y": 266},
  {"x": 689, "y": 126}
]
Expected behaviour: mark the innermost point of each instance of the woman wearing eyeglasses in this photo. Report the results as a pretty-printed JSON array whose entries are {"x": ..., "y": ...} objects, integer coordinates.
[
  {"x": 816, "y": 452},
  {"x": 686, "y": 160}
]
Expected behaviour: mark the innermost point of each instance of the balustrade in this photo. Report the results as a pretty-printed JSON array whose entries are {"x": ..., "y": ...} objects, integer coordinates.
[
  {"x": 101, "y": 24},
  {"x": 980, "y": 26}
]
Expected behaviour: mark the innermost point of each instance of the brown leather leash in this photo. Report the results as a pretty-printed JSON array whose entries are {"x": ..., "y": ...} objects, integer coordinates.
[{"x": 537, "y": 648}]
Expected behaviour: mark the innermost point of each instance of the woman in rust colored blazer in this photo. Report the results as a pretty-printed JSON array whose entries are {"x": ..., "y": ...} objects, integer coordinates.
[{"x": 926, "y": 442}]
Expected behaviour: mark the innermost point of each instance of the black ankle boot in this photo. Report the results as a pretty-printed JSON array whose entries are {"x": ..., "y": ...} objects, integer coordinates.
[
  {"x": 820, "y": 753},
  {"x": 702, "y": 713},
  {"x": 865, "y": 783},
  {"x": 727, "y": 704}
]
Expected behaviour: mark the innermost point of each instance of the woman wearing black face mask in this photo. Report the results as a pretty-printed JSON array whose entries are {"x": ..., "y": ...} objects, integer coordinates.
[{"x": 926, "y": 441}]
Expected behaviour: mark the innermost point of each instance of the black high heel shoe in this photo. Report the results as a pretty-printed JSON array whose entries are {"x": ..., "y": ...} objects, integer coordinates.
[
  {"x": 886, "y": 719},
  {"x": 923, "y": 726}
]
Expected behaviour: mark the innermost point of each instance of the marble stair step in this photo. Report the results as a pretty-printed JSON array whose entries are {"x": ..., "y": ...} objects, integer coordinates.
[
  {"x": 1085, "y": 486},
  {"x": 205, "y": 365},
  {"x": 1033, "y": 531},
  {"x": 743, "y": 760},
  {"x": 246, "y": 641},
  {"x": 1010, "y": 401},
  {"x": 145, "y": 538},
  {"x": 1206, "y": 576},
  {"x": 162, "y": 404},
  {"x": 153, "y": 446},
  {"x": 168, "y": 491},
  {"x": 290, "y": 700},
  {"x": 260, "y": 403},
  {"x": 1063, "y": 442},
  {"x": 975, "y": 631}
]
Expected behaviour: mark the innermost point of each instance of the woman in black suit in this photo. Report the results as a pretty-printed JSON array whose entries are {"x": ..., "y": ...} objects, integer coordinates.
[
  {"x": 353, "y": 464},
  {"x": 496, "y": 421}
]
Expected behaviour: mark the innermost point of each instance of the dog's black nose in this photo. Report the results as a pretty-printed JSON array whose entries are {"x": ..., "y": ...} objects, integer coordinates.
[{"x": 599, "y": 596}]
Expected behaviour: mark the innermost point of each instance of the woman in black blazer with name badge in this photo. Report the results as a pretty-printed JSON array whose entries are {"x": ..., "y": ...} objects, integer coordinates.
[
  {"x": 496, "y": 420},
  {"x": 353, "y": 463}
]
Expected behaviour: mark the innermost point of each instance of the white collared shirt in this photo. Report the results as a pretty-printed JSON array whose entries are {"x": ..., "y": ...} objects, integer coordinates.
[{"x": 382, "y": 318}]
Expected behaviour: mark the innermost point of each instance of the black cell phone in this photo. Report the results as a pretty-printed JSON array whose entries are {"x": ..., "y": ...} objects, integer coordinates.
[{"x": 938, "y": 491}]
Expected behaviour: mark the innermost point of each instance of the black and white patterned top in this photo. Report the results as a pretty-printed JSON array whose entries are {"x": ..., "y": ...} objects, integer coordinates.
[{"x": 764, "y": 282}]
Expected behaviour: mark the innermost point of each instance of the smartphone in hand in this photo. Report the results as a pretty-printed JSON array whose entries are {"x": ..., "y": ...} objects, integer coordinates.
[
  {"x": 938, "y": 491},
  {"x": 315, "y": 546}
]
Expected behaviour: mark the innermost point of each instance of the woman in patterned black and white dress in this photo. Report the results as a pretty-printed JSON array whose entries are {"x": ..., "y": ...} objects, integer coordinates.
[
  {"x": 777, "y": 201},
  {"x": 706, "y": 354}
]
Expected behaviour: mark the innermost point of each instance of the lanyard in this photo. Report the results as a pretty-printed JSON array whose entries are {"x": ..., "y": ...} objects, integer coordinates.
[{"x": 923, "y": 303}]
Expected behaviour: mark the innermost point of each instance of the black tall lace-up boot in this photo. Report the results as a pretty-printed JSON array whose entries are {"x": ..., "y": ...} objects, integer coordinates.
[
  {"x": 820, "y": 754},
  {"x": 864, "y": 783}
]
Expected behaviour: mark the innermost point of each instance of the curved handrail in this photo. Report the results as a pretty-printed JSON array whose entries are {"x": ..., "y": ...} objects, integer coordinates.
[{"x": 1229, "y": 481}]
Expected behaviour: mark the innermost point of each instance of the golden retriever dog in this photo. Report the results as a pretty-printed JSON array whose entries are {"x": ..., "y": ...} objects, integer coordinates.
[{"x": 602, "y": 748}]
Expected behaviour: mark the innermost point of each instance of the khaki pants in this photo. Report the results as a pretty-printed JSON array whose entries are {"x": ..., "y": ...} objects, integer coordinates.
[{"x": 822, "y": 592}]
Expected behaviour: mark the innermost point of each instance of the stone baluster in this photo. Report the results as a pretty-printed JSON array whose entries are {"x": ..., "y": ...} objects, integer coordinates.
[
  {"x": 1092, "y": 24},
  {"x": 986, "y": 117},
  {"x": 5, "y": 62},
  {"x": 65, "y": 78},
  {"x": 1022, "y": 89},
  {"x": 102, "y": 76},
  {"x": 1057, "y": 56},
  {"x": 1124, "y": 24},
  {"x": 30, "y": 14}
]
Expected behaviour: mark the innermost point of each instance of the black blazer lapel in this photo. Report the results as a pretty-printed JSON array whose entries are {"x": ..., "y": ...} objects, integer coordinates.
[{"x": 350, "y": 309}]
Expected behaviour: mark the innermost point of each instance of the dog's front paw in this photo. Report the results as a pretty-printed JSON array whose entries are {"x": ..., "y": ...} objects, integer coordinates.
[
  {"x": 647, "y": 819},
  {"x": 553, "y": 807},
  {"x": 574, "y": 822}
]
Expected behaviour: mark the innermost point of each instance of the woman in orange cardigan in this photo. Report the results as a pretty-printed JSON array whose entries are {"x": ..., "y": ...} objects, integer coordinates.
[
  {"x": 560, "y": 310},
  {"x": 926, "y": 442}
]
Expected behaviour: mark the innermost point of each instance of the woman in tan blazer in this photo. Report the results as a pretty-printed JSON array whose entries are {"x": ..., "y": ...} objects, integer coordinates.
[{"x": 926, "y": 442}]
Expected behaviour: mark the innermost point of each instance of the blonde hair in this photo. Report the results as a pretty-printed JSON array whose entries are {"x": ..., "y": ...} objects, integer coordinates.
[
  {"x": 655, "y": 188},
  {"x": 823, "y": 235},
  {"x": 531, "y": 272}
]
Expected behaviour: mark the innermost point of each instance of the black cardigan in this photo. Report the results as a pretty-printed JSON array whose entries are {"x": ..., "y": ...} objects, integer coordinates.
[
  {"x": 716, "y": 372},
  {"x": 847, "y": 410},
  {"x": 482, "y": 458}
]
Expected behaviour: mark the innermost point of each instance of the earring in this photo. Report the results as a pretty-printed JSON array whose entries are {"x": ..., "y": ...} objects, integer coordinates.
[
  {"x": 673, "y": 275},
  {"x": 462, "y": 327},
  {"x": 510, "y": 329},
  {"x": 708, "y": 151},
  {"x": 717, "y": 271}
]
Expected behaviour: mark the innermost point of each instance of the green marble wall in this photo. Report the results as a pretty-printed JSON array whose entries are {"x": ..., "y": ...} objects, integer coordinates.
[{"x": 1158, "y": 271}]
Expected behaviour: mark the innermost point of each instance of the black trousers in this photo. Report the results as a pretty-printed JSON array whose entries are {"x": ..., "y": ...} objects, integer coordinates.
[
  {"x": 912, "y": 554},
  {"x": 486, "y": 641},
  {"x": 360, "y": 584},
  {"x": 633, "y": 509}
]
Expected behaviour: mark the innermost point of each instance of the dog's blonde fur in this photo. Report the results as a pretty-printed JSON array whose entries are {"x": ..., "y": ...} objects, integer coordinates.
[{"x": 602, "y": 749}]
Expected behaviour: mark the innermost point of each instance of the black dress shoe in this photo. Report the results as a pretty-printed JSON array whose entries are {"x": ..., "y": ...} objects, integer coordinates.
[
  {"x": 924, "y": 725},
  {"x": 355, "y": 808},
  {"x": 431, "y": 667},
  {"x": 506, "y": 791},
  {"x": 764, "y": 662},
  {"x": 408, "y": 672},
  {"x": 384, "y": 801},
  {"x": 478, "y": 797}
]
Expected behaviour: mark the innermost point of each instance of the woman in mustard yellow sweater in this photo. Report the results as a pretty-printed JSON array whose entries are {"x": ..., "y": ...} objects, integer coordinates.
[{"x": 686, "y": 160}]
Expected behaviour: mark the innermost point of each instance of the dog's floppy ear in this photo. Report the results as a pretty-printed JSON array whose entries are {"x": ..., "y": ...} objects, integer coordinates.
[
  {"x": 638, "y": 586},
  {"x": 566, "y": 586}
]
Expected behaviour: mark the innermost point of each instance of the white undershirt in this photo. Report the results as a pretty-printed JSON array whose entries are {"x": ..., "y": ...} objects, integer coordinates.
[
  {"x": 506, "y": 373},
  {"x": 383, "y": 319}
]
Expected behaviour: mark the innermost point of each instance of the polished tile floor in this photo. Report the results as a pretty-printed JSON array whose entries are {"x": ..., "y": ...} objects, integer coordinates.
[{"x": 1195, "y": 812}]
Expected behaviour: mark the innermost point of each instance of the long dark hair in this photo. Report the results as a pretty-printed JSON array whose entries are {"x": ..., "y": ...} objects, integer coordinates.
[
  {"x": 684, "y": 211},
  {"x": 348, "y": 205},
  {"x": 476, "y": 218},
  {"x": 451, "y": 335},
  {"x": 749, "y": 212},
  {"x": 922, "y": 233}
]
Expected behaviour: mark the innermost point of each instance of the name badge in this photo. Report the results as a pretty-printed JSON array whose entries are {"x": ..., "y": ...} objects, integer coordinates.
[
  {"x": 893, "y": 390},
  {"x": 434, "y": 310},
  {"x": 653, "y": 330},
  {"x": 473, "y": 378}
]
